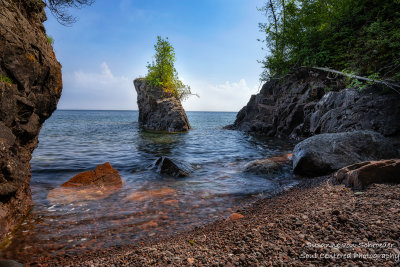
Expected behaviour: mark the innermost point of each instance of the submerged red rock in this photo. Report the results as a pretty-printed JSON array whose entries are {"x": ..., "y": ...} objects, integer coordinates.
[
  {"x": 89, "y": 185},
  {"x": 103, "y": 175},
  {"x": 151, "y": 194}
]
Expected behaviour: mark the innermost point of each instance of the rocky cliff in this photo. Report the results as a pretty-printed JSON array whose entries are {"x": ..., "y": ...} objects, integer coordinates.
[
  {"x": 30, "y": 86},
  {"x": 159, "y": 111},
  {"x": 309, "y": 102}
]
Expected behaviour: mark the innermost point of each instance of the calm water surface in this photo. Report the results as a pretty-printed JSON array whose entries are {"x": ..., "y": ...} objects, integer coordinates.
[{"x": 76, "y": 141}]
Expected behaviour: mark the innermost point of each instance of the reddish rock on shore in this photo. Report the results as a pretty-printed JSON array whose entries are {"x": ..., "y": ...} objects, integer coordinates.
[{"x": 235, "y": 216}]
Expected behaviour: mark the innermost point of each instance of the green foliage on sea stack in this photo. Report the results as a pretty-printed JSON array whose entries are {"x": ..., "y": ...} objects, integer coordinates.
[
  {"x": 162, "y": 73},
  {"x": 6, "y": 79},
  {"x": 360, "y": 36},
  {"x": 50, "y": 39}
]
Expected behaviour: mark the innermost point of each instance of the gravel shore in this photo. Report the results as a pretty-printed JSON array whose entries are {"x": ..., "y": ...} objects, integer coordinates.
[{"x": 316, "y": 224}]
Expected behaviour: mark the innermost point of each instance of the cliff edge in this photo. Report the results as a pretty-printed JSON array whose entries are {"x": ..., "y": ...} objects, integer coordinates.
[
  {"x": 30, "y": 87},
  {"x": 310, "y": 102},
  {"x": 159, "y": 111}
]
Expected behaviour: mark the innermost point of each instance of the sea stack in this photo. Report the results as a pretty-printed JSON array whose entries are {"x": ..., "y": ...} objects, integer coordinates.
[
  {"x": 158, "y": 110},
  {"x": 30, "y": 86}
]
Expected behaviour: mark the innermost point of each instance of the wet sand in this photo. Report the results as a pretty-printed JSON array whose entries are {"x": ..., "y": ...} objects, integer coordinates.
[{"x": 316, "y": 223}]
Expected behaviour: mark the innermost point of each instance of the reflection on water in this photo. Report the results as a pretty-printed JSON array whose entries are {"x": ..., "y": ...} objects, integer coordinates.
[{"x": 149, "y": 205}]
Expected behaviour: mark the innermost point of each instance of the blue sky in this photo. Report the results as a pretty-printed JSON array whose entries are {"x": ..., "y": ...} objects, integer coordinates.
[{"x": 215, "y": 43}]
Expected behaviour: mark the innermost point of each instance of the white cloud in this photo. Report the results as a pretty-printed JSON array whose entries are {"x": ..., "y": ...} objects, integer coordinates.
[
  {"x": 103, "y": 90},
  {"x": 228, "y": 96},
  {"x": 97, "y": 90}
]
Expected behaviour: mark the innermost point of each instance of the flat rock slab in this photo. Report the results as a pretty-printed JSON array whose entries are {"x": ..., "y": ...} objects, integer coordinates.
[
  {"x": 362, "y": 174},
  {"x": 325, "y": 153}
]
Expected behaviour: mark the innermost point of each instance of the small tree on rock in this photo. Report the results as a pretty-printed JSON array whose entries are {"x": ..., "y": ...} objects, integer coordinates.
[{"x": 162, "y": 73}]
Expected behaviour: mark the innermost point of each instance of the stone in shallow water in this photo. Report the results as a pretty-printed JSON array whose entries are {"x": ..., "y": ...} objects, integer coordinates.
[
  {"x": 150, "y": 194},
  {"x": 170, "y": 202},
  {"x": 89, "y": 185},
  {"x": 268, "y": 165},
  {"x": 173, "y": 168},
  {"x": 148, "y": 225},
  {"x": 360, "y": 175}
]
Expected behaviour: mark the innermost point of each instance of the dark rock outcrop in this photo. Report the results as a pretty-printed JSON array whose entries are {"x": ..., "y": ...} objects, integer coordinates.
[
  {"x": 159, "y": 111},
  {"x": 173, "y": 168},
  {"x": 325, "y": 153},
  {"x": 28, "y": 97},
  {"x": 268, "y": 165},
  {"x": 362, "y": 174},
  {"x": 100, "y": 183},
  {"x": 309, "y": 102}
]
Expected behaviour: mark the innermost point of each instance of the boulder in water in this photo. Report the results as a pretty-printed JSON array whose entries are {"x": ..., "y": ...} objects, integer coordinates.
[
  {"x": 325, "y": 153},
  {"x": 362, "y": 174},
  {"x": 173, "y": 168}
]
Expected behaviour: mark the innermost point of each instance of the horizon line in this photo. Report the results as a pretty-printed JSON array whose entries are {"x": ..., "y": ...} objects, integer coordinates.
[{"x": 68, "y": 109}]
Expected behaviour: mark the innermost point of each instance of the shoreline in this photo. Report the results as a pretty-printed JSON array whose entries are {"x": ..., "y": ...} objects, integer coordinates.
[{"x": 315, "y": 222}]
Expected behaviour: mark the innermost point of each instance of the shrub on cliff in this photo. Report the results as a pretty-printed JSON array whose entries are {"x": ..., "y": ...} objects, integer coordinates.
[
  {"x": 162, "y": 73},
  {"x": 359, "y": 36}
]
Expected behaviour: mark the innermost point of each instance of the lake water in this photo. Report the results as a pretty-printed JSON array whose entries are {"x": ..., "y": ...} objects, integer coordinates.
[{"x": 76, "y": 141}]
